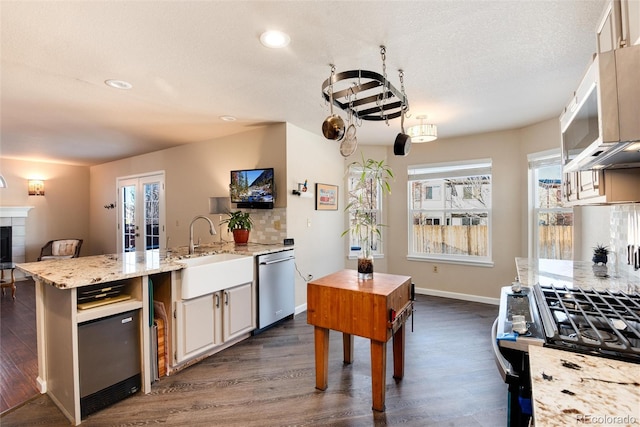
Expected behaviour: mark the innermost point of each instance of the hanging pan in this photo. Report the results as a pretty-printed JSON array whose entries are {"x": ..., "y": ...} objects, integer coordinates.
[
  {"x": 333, "y": 126},
  {"x": 349, "y": 142},
  {"x": 403, "y": 141}
]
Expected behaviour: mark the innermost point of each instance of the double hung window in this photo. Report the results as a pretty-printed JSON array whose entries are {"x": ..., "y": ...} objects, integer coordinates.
[
  {"x": 551, "y": 227},
  {"x": 450, "y": 211}
]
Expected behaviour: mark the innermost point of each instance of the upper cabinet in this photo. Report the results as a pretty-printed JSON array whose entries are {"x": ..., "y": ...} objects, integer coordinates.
[
  {"x": 601, "y": 187},
  {"x": 619, "y": 26}
]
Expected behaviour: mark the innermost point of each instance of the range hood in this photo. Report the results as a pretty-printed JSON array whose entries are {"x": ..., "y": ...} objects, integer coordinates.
[{"x": 600, "y": 126}]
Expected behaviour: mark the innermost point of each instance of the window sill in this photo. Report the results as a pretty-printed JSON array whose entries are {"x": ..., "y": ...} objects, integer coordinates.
[
  {"x": 375, "y": 256},
  {"x": 475, "y": 263}
]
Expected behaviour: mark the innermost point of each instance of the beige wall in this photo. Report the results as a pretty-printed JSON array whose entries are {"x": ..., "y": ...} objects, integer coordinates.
[
  {"x": 508, "y": 150},
  {"x": 61, "y": 213},
  {"x": 319, "y": 247},
  {"x": 193, "y": 173}
]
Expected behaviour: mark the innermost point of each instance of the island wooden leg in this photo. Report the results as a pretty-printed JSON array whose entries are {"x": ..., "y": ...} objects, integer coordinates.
[
  {"x": 321, "y": 336},
  {"x": 378, "y": 373},
  {"x": 398, "y": 353},
  {"x": 347, "y": 348}
]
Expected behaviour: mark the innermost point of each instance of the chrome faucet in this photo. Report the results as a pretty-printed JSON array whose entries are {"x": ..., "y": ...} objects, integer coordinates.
[{"x": 212, "y": 230}]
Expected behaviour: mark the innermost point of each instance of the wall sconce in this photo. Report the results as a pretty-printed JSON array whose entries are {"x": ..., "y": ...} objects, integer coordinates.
[{"x": 36, "y": 187}]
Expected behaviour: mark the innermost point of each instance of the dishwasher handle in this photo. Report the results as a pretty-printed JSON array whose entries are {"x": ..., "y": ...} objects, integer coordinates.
[{"x": 276, "y": 261}]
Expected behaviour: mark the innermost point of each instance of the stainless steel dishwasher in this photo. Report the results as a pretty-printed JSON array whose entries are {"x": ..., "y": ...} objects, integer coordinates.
[{"x": 276, "y": 288}]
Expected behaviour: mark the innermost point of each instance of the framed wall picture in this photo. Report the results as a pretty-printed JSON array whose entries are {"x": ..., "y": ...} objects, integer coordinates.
[{"x": 326, "y": 197}]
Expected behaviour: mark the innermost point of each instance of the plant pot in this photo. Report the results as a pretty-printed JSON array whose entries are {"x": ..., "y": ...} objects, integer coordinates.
[
  {"x": 240, "y": 236},
  {"x": 365, "y": 266},
  {"x": 599, "y": 259}
]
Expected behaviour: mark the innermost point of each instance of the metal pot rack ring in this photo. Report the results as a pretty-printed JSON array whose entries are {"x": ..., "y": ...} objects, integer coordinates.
[{"x": 385, "y": 103}]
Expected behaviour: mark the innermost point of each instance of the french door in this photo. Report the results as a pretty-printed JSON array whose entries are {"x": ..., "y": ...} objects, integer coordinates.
[{"x": 141, "y": 224}]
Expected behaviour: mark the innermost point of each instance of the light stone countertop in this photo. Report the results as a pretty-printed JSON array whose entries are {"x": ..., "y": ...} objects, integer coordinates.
[
  {"x": 82, "y": 271},
  {"x": 580, "y": 274},
  {"x": 577, "y": 389}
]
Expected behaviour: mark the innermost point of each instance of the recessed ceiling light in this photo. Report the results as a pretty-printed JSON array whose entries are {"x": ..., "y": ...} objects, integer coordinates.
[
  {"x": 118, "y": 84},
  {"x": 274, "y": 39},
  {"x": 227, "y": 118}
]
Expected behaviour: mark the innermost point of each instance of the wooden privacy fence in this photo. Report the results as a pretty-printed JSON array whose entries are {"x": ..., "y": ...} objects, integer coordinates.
[
  {"x": 450, "y": 239},
  {"x": 554, "y": 241}
]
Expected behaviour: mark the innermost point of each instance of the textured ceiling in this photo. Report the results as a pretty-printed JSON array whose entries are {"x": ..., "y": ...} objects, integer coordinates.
[{"x": 471, "y": 66}]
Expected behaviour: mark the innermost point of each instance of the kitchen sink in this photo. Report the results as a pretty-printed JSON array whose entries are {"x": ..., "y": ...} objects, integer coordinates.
[{"x": 212, "y": 273}]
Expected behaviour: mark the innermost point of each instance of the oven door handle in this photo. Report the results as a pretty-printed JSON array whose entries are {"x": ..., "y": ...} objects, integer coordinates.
[{"x": 504, "y": 367}]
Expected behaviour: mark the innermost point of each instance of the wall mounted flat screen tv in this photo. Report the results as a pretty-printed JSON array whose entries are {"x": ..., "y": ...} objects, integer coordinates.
[{"x": 253, "y": 188}]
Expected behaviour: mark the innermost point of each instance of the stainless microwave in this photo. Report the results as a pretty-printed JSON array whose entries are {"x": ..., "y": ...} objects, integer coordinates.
[{"x": 600, "y": 126}]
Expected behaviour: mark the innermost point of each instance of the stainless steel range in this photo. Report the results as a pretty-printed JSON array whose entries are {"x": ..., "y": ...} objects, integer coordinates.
[{"x": 596, "y": 322}]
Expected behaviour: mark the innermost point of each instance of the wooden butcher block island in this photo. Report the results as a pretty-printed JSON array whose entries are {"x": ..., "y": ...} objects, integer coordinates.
[{"x": 376, "y": 309}]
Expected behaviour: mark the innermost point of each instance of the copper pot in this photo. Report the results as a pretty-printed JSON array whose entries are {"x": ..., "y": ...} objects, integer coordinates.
[{"x": 333, "y": 127}]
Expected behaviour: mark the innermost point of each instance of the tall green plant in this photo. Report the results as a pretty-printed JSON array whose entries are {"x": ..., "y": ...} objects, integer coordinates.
[{"x": 372, "y": 174}]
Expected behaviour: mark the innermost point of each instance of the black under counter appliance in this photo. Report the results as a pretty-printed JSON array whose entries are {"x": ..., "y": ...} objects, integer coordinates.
[
  {"x": 109, "y": 360},
  {"x": 595, "y": 322}
]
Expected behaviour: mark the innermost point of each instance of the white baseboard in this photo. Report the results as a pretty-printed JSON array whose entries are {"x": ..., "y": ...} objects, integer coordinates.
[
  {"x": 300, "y": 309},
  {"x": 456, "y": 295}
]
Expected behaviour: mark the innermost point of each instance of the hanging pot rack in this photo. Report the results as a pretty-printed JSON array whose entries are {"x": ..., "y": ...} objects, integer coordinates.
[{"x": 379, "y": 100}]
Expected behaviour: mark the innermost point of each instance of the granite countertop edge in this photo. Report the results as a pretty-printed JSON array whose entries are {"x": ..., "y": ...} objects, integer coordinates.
[{"x": 86, "y": 271}]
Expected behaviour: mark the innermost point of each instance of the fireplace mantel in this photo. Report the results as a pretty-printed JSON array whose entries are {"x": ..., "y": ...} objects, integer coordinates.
[{"x": 14, "y": 211}]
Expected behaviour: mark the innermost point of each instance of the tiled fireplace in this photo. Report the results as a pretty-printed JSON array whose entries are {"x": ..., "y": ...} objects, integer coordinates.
[{"x": 16, "y": 218}]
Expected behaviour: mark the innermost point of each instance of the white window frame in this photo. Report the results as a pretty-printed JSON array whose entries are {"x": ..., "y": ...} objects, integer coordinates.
[
  {"x": 534, "y": 161},
  {"x": 449, "y": 170},
  {"x": 354, "y": 175}
]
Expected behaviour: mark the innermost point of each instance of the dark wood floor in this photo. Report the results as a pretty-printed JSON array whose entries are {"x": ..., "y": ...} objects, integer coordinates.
[
  {"x": 268, "y": 380},
  {"x": 18, "y": 352}
]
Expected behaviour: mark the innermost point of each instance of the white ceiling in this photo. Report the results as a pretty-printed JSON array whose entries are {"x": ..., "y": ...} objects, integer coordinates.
[{"x": 471, "y": 66}]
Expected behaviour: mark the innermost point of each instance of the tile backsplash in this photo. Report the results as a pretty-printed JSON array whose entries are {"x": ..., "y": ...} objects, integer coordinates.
[
  {"x": 625, "y": 230},
  {"x": 269, "y": 225}
]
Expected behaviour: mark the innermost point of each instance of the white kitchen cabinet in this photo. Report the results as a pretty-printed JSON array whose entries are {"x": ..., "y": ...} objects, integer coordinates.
[
  {"x": 589, "y": 184},
  {"x": 570, "y": 187},
  {"x": 609, "y": 31},
  {"x": 237, "y": 311},
  {"x": 602, "y": 187},
  {"x": 619, "y": 25},
  {"x": 630, "y": 13},
  {"x": 213, "y": 320},
  {"x": 197, "y": 320}
]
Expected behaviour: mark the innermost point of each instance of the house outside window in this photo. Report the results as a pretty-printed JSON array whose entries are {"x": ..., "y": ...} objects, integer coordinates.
[
  {"x": 450, "y": 211},
  {"x": 355, "y": 191},
  {"x": 551, "y": 224}
]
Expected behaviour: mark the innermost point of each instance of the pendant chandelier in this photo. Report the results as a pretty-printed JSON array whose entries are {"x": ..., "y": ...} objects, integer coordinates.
[{"x": 423, "y": 132}]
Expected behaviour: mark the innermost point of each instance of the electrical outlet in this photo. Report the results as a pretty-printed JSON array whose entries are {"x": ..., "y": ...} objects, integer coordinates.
[{"x": 435, "y": 268}]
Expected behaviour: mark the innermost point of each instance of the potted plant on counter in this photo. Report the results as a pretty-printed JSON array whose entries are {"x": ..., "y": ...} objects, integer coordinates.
[
  {"x": 239, "y": 223},
  {"x": 370, "y": 181},
  {"x": 600, "y": 253}
]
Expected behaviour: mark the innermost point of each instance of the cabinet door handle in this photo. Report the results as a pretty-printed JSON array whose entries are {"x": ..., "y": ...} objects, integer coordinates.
[
  {"x": 226, "y": 298},
  {"x": 217, "y": 297}
]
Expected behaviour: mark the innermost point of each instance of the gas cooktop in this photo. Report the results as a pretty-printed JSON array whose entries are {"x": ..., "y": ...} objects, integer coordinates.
[{"x": 592, "y": 321}]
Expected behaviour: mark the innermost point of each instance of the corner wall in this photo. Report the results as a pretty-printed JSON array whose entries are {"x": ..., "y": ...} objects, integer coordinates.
[{"x": 318, "y": 246}]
